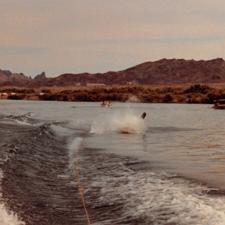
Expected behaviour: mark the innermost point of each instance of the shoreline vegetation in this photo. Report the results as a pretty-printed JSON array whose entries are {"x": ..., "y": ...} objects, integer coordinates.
[{"x": 194, "y": 93}]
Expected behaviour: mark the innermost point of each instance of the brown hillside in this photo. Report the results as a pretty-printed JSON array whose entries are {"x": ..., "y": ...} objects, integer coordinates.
[{"x": 164, "y": 71}]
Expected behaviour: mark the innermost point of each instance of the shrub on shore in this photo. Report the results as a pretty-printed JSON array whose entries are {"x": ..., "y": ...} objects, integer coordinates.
[{"x": 172, "y": 94}]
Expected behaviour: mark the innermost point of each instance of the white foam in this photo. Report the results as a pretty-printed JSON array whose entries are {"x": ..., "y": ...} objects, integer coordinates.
[
  {"x": 61, "y": 131},
  {"x": 23, "y": 122},
  {"x": 118, "y": 122},
  {"x": 74, "y": 146},
  {"x": 129, "y": 123},
  {"x": 163, "y": 201},
  {"x": 177, "y": 203},
  {"x": 7, "y": 217}
]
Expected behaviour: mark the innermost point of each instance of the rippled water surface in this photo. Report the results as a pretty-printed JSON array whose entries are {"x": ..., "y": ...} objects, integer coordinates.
[{"x": 56, "y": 156}]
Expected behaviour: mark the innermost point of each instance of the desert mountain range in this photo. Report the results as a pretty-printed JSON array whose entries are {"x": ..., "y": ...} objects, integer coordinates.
[{"x": 164, "y": 71}]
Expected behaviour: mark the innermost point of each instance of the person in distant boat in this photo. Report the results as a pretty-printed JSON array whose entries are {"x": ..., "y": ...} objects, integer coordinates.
[
  {"x": 106, "y": 104},
  {"x": 103, "y": 104},
  {"x": 143, "y": 115},
  {"x": 109, "y": 103}
]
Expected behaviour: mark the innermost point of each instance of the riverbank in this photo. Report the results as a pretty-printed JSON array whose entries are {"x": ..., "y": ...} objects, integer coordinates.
[{"x": 195, "y": 93}]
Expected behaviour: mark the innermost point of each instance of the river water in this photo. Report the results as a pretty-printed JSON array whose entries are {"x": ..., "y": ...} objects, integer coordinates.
[{"x": 169, "y": 170}]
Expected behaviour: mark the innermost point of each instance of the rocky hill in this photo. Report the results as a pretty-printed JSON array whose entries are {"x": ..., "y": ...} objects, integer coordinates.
[
  {"x": 7, "y": 78},
  {"x": 164, "y": 71}
]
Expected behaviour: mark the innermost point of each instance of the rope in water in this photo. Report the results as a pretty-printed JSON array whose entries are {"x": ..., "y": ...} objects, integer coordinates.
[{"x": 81, "y": 192}]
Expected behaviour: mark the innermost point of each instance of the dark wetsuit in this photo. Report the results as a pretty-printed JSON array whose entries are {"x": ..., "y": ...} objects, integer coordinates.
[{"x": 143, "y": 115}]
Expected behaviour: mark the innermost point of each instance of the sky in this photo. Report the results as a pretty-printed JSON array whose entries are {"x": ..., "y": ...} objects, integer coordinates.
[{"x": 58, "y": 36}]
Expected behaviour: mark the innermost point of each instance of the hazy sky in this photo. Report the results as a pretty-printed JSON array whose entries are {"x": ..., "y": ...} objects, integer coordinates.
[{"x": 59, "y": 36}]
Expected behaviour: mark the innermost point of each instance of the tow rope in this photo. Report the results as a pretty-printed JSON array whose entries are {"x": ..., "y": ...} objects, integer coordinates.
[{"x": 81, "y": 192}]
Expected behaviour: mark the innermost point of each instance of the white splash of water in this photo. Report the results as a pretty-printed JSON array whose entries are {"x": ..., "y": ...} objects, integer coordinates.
[
  {"x": 6, "y": 217},
  {"x": 163, "y": 201},
  {"x": 23, "y": 122},
  {"x": 128, "y": 123},
  {"x": 62, "y": 131},
  {"x": 184, "y": 203},
  {"x": 74, "y": 147},
  {"x": 121, "y": 121}
]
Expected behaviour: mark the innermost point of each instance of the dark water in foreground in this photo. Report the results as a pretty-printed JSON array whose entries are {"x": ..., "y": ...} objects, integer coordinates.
[{"x": 170, "y": 171}]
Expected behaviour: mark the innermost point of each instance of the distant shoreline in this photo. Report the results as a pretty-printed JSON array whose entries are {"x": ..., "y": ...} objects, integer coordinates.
[{"x": 195, "y": 93}]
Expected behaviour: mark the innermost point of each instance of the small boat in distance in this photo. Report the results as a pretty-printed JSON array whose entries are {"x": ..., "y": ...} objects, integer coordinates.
[
  {"x": 106, "y": 104},
  {"x": 219, "y": 104}
]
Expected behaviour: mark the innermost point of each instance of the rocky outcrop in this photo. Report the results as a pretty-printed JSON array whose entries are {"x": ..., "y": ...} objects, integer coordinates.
[
  {"x": 41, "y": 76},
  {"x": 7, "y": 78}
]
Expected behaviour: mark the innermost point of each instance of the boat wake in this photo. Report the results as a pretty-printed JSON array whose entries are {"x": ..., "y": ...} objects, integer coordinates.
[
  {"x": 39, "y": 182},
  {"x": 127, "y": 192}
]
